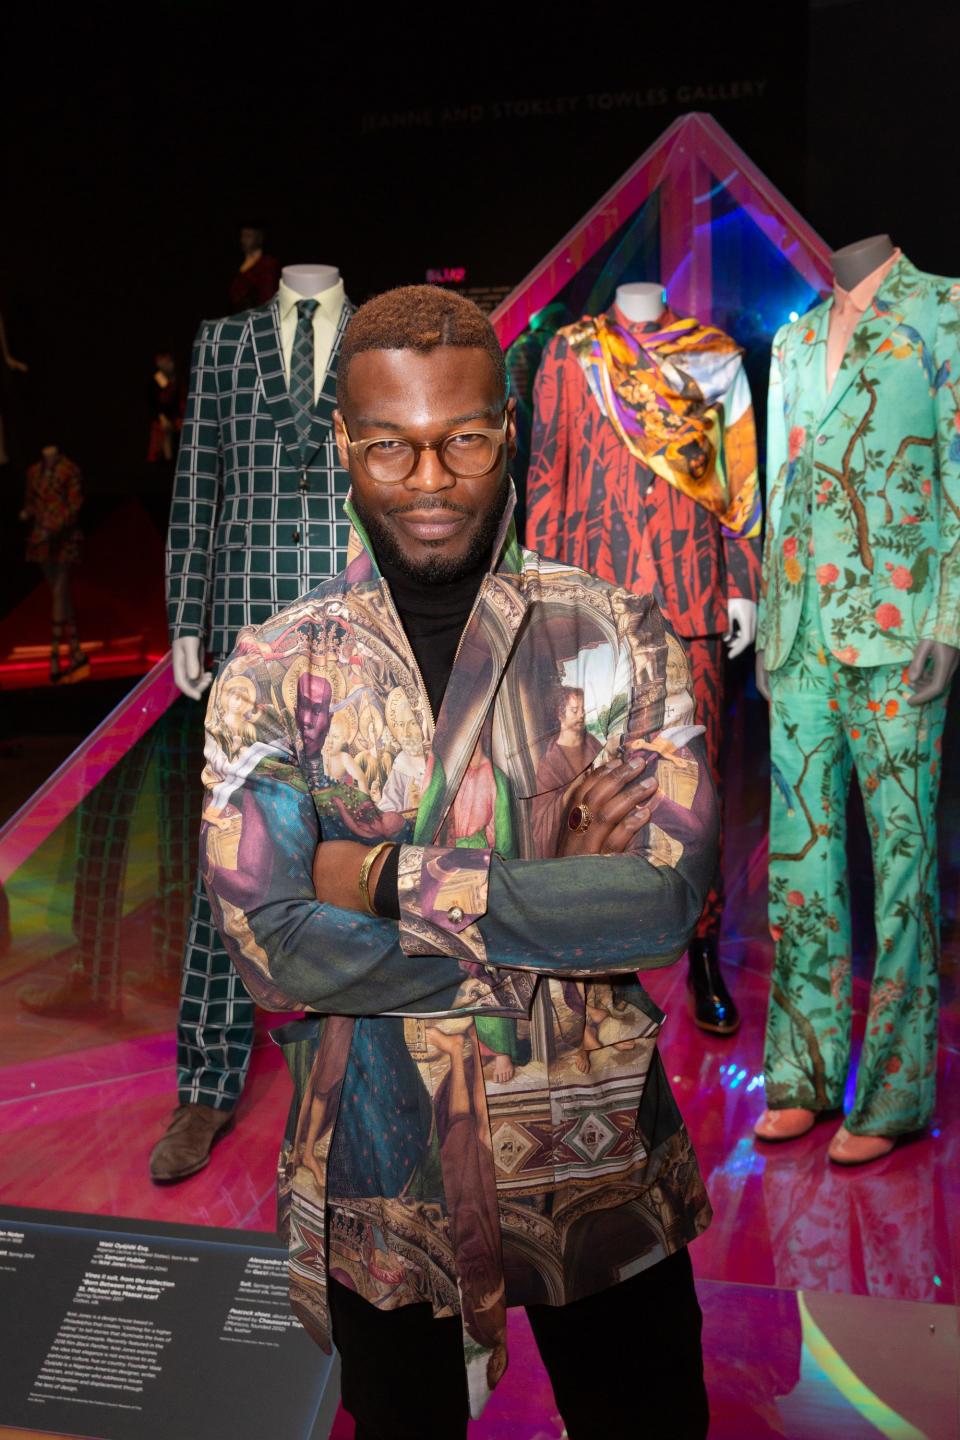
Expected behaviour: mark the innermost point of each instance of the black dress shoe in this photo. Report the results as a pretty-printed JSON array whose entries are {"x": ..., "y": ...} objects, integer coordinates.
[{"x": 713, "y": 1007}]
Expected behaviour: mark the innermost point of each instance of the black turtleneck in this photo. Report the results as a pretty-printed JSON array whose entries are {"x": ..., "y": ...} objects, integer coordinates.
[{"x": 433, "y": 616}]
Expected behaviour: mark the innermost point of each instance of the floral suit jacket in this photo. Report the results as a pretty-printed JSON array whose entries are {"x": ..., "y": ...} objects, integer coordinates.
[
  {"x": 481, "y": 1116},
  {"x": 864, "y": 482}
]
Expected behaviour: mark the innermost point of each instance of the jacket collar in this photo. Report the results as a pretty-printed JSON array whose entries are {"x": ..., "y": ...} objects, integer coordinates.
[
  {"x": 268, "y": 351},
  {"x": 482, "y": 655},
  {"x": 885, "y": 312}
]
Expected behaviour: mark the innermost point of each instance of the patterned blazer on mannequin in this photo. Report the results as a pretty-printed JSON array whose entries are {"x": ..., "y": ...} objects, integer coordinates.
[
  {"x": 591, "y": 503},
  {"x": 256, "y": 518},
  {"x": 866, "y": 479}
]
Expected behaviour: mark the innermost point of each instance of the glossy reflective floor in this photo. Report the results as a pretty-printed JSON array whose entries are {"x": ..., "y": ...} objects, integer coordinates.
[{"x": 829, "y": 1295}]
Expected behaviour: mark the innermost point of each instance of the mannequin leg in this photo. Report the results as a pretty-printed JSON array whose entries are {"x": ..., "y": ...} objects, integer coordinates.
[
  {"x": 50, "y": 573},
  {"x": 215, "y": 1025},
  {"x": 807, "y": 1047},
  {"x": 706, "y": 666},
  {"x": 897, "y": 754},
  {"x": 79, "y": 666},
  {"x": 713, "y": 1005}
]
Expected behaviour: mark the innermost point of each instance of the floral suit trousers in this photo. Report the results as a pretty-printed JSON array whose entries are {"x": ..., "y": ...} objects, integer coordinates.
[{"x": 826, "y": 717}]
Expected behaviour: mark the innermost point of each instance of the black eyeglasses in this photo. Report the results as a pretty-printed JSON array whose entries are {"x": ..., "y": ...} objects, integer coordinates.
[{"x": 465, "y": 454}]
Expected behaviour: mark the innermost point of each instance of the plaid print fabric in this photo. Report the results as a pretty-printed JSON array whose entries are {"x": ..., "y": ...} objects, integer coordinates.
[
  {"x": 301, "y": 369},
  {"x": 167, "y": 759},
  {"x": 257, "y": 518},
  {"x": 215, "y": 1024}
]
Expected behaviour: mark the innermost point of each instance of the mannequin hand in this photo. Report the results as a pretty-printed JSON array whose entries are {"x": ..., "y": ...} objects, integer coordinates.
[
  {"x": 943, "y": 662},
  {"x": 763, "y": 682},
  {"x": 621, "y": 802},
  {"x": 188, "y": 672},
  {"x": 741, "y": 625},
  {"x": 336, "y": 873}
]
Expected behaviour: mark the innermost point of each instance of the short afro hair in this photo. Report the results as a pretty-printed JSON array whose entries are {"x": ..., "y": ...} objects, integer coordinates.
[{"x": 418, "y": 317}]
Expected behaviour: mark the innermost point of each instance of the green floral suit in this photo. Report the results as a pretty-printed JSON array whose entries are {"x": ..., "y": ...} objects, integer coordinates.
[{"x": 861, "y": 563}]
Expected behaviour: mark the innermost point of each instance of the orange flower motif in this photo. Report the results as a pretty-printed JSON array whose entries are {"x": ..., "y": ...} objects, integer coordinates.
[
  {"x": 796, "y": 897},
  {"x": 849, "y": 655},
  {"x": 794, "y": 570},
  {"x": 902, "y": 577},
  {"x": 834, "y": 704},
  {"x": 854, "y": 733},
  {"x": 874, "y": 705},
  {"x": 795, "y": 444},
  {"x": 893, "y": 708},
  {"x": 826, "y": 574},
  {"x": 925, "y": 485},
  {"x": 872, "y": 782},
  {"x": 790, "y": 546},
  {"x": 887, "y": 616}
]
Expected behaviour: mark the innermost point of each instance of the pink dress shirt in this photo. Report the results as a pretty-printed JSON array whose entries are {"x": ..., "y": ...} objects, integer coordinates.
[{"x": 848, "y": 310}]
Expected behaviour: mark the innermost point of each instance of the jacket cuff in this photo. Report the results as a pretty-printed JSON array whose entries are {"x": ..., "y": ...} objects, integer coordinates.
[{"x": 443, "y": 892}]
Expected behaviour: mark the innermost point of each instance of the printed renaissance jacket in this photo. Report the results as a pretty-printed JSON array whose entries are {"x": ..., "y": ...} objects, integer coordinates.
[
  {"x": 481, "y": 1116},
  {"x": 864, "y": 482},
  {"x": 591, "y": 502},
  {"x": 254, "y": 520}
]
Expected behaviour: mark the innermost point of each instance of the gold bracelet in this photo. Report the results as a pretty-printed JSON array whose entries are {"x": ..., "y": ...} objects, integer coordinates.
[{"x": 365, "y": 868}]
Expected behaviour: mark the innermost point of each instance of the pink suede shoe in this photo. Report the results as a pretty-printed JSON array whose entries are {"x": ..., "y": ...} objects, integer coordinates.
[
  {"x": 784, "y": 1124},
  {"x": 847, "y": 1149}
]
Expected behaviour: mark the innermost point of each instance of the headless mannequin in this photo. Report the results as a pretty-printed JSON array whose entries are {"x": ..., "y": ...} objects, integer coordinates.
[
  {"x": 310, "y": 280},
  {"x": 642, "y": 302},
  {"x": 189, "y": 675},
  {"x": 851, "y": 265}
]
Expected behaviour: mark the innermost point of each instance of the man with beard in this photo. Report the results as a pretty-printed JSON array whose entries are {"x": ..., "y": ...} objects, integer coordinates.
[{"x": 432, "y": 1197}]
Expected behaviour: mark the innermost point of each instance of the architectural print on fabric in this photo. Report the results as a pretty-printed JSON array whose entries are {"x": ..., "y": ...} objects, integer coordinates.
[
  {"x": 255, "y": 521},
  {"x": 641, "y": 435},
  {"x": 500, "y": 1138},
  {"x": 862, "y": 561}
]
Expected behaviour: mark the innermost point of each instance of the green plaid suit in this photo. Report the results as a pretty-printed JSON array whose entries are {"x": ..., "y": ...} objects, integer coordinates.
[{"x": 256, "y": 521}]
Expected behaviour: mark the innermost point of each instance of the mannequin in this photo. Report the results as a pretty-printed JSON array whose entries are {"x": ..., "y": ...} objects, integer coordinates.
[
  {"x": 310, "y": 280},
  {"x": 52, "y": 504},
  {"x": 256, "y": 521},
  {"x": 642, "y": 302},
  {"x": 256, "y": 279},
  {"x": 934, "y": 663},
  {"x": 854, "y": 262},
  {"x": 858, "y": 640},
  {"x": 643, "y": 432},
  {"x": 189, "y": 674}
]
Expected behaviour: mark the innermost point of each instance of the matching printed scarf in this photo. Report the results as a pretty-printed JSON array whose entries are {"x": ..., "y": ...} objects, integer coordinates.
[{"x": 667, "y": 391}]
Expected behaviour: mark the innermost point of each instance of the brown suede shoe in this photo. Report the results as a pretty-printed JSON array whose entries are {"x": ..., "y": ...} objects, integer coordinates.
[
  {"x": 73, "y": 995},
  {"x": 190, "y": 1137}
]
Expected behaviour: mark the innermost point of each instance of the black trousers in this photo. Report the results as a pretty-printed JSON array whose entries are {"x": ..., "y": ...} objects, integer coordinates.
[{"x": 624, "y": 1364}]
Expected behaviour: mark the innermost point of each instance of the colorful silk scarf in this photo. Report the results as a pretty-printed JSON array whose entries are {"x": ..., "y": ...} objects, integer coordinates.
[{"x": 677, "y": 396}]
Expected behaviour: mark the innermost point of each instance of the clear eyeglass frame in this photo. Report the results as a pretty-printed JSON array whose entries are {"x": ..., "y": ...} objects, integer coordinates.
[{"x": 360, "y": 449}]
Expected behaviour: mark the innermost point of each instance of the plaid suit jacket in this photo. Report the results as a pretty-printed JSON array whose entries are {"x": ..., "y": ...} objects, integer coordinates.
[{"x": 256, "y": 520}]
